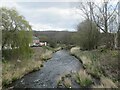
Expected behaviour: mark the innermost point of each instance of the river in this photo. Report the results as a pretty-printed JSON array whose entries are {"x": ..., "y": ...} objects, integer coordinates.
[{"x": 60, "y": 64}]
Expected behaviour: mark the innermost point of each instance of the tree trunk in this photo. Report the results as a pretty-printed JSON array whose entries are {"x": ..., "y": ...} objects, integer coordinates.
[
  {"x": 118, "y": 32},
  {"x": 107, "y": 42},
  {"x": 118, "y": 38},
  {"x": 115, "y": 41}
]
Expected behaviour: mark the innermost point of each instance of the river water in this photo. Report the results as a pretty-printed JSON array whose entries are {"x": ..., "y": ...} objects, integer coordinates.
[{"x": 60, "y": 64}]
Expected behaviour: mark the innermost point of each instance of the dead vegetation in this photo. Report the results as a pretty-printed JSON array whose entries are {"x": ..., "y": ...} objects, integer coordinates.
[
  {"x": 102, "y": 65},
  {"x": 83, "y": 79},
  {"x": 15, "y": 69}
]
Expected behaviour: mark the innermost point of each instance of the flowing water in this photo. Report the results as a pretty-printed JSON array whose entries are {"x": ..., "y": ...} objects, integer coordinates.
[{"x": 60, "y": 64}]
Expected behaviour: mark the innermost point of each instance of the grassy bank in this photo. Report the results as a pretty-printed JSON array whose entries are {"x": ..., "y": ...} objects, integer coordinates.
[
  {"x": 15, "y": 69},
  {"x": 100, "y": 64}
]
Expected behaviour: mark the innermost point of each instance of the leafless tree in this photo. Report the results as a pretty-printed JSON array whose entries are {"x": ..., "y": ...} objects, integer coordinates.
[
  {"x": 118, "y": 35},
  {"x": 101, "y": 14}
]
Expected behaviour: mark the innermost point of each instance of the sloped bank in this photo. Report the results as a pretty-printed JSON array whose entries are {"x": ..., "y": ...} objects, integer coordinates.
[
  {"x": 16, "y": 69},
  {"x": 96, "y": 65}
]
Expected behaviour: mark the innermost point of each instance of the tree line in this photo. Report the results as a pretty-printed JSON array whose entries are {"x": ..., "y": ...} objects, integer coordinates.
[{"x": 100, "y": 27}]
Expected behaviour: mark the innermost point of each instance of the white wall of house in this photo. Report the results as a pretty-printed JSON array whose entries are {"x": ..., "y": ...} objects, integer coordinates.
[{"x": 43, "y": 43}]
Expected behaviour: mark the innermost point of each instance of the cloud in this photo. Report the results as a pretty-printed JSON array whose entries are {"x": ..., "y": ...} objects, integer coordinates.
[
  {"x": 49, "y": 15},
  {"x": 53, "y": 18},
  {"x": 56, "y": 17},
  {"x": 5, "y": 3},
  {"x": 47, "y": 27}
]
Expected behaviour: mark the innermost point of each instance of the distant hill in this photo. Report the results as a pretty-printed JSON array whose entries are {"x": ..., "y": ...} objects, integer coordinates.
[
  {"x": 54, "y": 36},
  {"x": 49, "y": 33}
]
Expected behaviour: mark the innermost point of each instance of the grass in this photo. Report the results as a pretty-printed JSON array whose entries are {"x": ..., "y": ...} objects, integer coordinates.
[
  {"x": 15, "y": 69},
  {"x": 57, "y": 49},
  {"x": 99, "y": 63},
  {"x": 83, "y": 79},
  {"x": 64, "y": 81},
  {"x": 105, "y": 83},
  {"x": 47, "y": 48},
  {"x": 67, "y": 83},
  {"x": 87, "y": 60},
  {"x": 47, "y": 55}
]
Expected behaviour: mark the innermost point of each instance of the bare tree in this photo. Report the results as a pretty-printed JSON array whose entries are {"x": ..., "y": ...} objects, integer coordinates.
[
  {"x": 101, "y": 14},
  {"x": 118, "y": 35}
]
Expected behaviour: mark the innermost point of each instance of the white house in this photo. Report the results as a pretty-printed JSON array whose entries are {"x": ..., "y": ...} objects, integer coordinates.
[{"x": 37, "y": 42}]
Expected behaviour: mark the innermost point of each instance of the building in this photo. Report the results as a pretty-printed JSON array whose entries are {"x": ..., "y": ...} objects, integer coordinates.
[
  {"x": 35, "y": 41},
  {"x": 43, "y": 43}
]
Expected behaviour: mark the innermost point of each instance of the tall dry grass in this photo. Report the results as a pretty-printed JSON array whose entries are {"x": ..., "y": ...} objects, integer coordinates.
[{"x": 100, "y": 64}]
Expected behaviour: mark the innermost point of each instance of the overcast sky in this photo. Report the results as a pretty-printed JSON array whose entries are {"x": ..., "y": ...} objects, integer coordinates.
[{"x": 48, "y": 15}]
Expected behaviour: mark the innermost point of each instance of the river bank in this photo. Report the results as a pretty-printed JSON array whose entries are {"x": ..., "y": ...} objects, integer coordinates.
[
  {"x": 48, "y": 76},
  {"x": 16, "y": 69},
  {"x": 64, "y": 70},
  {"x": 102, "y": 65}
]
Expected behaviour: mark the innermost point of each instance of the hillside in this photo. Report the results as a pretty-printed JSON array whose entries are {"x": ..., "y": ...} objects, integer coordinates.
[{"x": 54, "y": 36}]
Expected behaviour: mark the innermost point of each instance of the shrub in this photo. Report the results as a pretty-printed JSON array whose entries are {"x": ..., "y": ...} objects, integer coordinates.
[
  {"x": 87, "y": 35},
  {"x": 83, "y": 79}
]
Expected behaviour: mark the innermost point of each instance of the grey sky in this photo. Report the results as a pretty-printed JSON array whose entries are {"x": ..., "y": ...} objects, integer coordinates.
[{"x": 48, "y": 15}]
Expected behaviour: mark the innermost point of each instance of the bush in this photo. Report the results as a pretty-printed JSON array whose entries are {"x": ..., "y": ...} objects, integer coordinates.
[
  {"x": 83, "y": 79},
  {"x": 87, "y": 35},
  {"x": 9, "y": 54}
]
